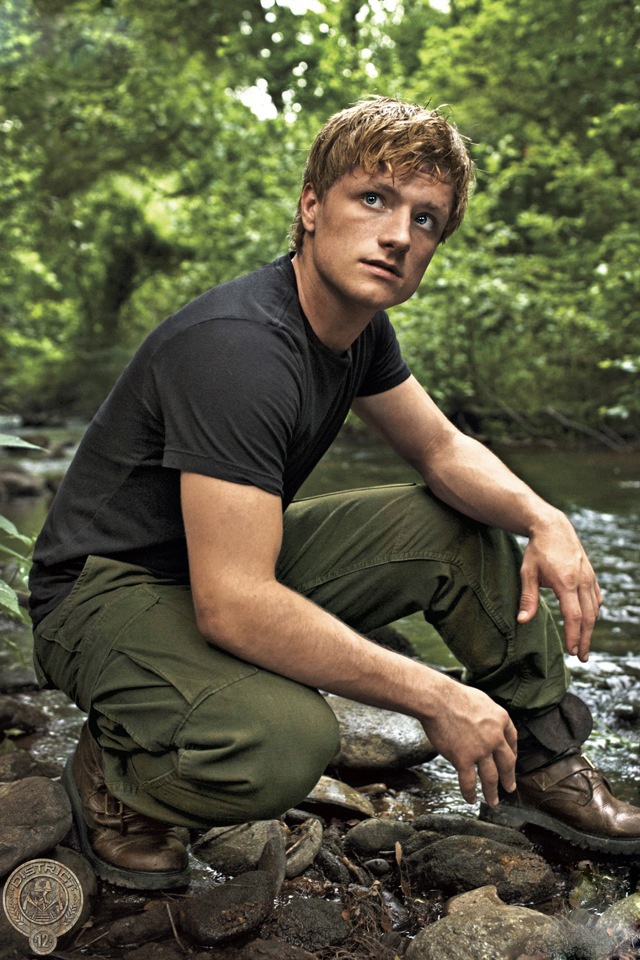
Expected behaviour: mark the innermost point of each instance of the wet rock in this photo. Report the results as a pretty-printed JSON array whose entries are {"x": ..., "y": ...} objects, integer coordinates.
[
  {"x": 237, "y": 849},
  {"x": 375, "y": 836},
  {"x": 337, "y": 797},
  {"x": 18, "y": 764},
  {"x": 457, "y": 864},
  {"x": 485, "y": 932},
  {"x": 16, "y": 675},
  {"x": 229, "y": 909},
  {"x": 629, "y": 709},
  {"x": 378, "y": 867},
  {"x": 303, "y": 846},
  {"x": 332, "y": 867},
  {"x": 140, "y": 928},
  {"x": 480, "y": 897},
  {"x": 372, "y": 738},
  {"x": 622, "y": 920},
  {"x": 18, "y": 483},
  {"x": 156, "y": 951},
  {"x": 312, "y": 924},
  {"x": 18, "y": 716},
  {"x": 234, "y": 850},
  {"x": 35, "y": 815},
  {"x": 273, "y": 950},
  {"x": 449, "y": 824},
  {"x": 273, "y": 862}
]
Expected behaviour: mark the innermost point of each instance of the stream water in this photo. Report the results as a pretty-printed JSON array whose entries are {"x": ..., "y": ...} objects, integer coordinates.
[{"x": 601, "y": 493}]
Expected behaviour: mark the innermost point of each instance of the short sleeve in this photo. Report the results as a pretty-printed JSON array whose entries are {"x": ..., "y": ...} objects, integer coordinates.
[{"x": 230, "y": 394}]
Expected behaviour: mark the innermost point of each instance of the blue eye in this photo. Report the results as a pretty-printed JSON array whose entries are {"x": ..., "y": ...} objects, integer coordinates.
[
  {"x": 371, "y": 199},
  {"x": 426, "y": 220}
]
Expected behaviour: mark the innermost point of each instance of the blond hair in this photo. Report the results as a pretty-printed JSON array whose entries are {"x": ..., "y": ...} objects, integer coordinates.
[{"x": 400, "y": 136}]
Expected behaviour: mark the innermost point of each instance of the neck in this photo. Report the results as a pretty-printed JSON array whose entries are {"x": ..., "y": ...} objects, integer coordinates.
[{"x": 335, "y": 324}]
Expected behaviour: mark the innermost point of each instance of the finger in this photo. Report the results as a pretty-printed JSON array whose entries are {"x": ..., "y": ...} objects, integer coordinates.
[
  {"x": 489, "y": 778},
  {"x": 511, "y": 736},
  {"x": 591, "y": 608},
  {"x": 573, "y": 621},
  {"x": 529, "y": 598},
  {"x": 467, "y": 782},
  {"x": 505, "y": 763}
]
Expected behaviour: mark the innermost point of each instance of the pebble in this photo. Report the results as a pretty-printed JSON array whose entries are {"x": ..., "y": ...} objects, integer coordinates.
[
  {"x": 35, "y": 815},
  {"x": 375, "y": 739},
  {"x": 458, "y": 864}
]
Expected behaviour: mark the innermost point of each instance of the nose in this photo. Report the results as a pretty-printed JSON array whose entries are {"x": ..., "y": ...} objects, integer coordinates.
[{"x": 396, "y": 230}]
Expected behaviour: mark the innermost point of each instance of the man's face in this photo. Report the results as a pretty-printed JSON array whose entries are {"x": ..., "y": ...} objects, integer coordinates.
[{"x": 371, "y": 237}]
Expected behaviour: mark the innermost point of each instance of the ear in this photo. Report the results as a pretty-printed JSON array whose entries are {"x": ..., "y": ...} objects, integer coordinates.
[{"x": 309, "y": 202}]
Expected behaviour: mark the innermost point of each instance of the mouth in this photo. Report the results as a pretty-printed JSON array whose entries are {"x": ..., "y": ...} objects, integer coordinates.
[{"x": 384, "y": 267}]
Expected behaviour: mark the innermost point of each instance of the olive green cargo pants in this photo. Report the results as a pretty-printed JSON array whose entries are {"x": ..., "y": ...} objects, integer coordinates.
[{"x": 196, "y": 737}]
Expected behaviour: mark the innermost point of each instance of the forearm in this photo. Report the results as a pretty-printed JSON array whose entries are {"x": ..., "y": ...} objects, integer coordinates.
[
  {"x": 469, "y": 477},
  {"x": 281, "y": 631}
]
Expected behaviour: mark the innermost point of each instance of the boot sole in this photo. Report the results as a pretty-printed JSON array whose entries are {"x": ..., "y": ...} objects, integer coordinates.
[
  {"x": 512, "y": 815},
  {"x": 122, "y": 877}
]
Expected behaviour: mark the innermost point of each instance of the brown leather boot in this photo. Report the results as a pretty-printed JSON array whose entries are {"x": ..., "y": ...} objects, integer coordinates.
[
  {"x": 571, "y": 799},
  {"x": 124, "y": 847}
]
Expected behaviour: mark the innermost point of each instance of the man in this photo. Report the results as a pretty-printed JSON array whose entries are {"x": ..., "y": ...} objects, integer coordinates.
[{"x": 185, "y": 601}]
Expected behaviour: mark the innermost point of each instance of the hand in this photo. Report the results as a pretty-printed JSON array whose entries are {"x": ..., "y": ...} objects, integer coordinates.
[
  {"x": 471, "y": 731},
  {"x": 555, "y": 558}
]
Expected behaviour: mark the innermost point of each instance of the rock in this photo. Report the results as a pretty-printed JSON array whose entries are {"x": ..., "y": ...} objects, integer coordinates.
[
  {"x": 332, "y": 867},
  {"x": 35, "y": 815},
  {"x": 273, "y": 950},
  {"x": 451, "y": 824},
  {"x": 140, "y": 928},
  {"x": 457, "y": 864},
  {"x": 372, "y": 738},
  {"x": 312, "y": 924},
  {"x": 157, "y": 951},
  {"x": 378, "y": 867},
  {"x": 303, "y": 846},
  {"x": 485, "y": 932},
  {"x": 237, "y": 849},
  {"x": 629, "y": 710},
  {"x": 273, "y": 862},
  {"x": 338, "y": 797},
  {"x": 480, "y": 897},
  {"x": 375, "y": 836},
  {"x": 18, "y": 764},
  {"x": 19, "y": 483},
  {"x": 229, "y": 909},
  {"x": 15, "y": 715},
  {"x": 622, "y": 920}
]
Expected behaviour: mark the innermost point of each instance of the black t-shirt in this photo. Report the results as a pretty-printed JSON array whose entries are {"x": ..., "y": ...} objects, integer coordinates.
[{"x": 235, "y": 386}]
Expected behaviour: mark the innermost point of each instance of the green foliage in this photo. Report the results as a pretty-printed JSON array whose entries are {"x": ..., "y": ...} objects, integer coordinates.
[
  {"x": 150, "y": 151},
  {"x": 15, "y": 554}
]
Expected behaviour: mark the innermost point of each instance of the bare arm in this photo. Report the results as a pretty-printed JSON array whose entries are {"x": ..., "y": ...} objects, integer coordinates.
[
  {"x": 234, "y": 534},
  {"x": 467, "y": 476}
]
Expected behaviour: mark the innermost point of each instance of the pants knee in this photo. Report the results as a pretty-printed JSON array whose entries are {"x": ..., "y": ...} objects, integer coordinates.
[{"x": 261, "y": 765}]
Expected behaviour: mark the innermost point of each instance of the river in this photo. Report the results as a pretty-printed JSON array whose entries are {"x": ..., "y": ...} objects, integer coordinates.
[{"x": 600, "y": 491}]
